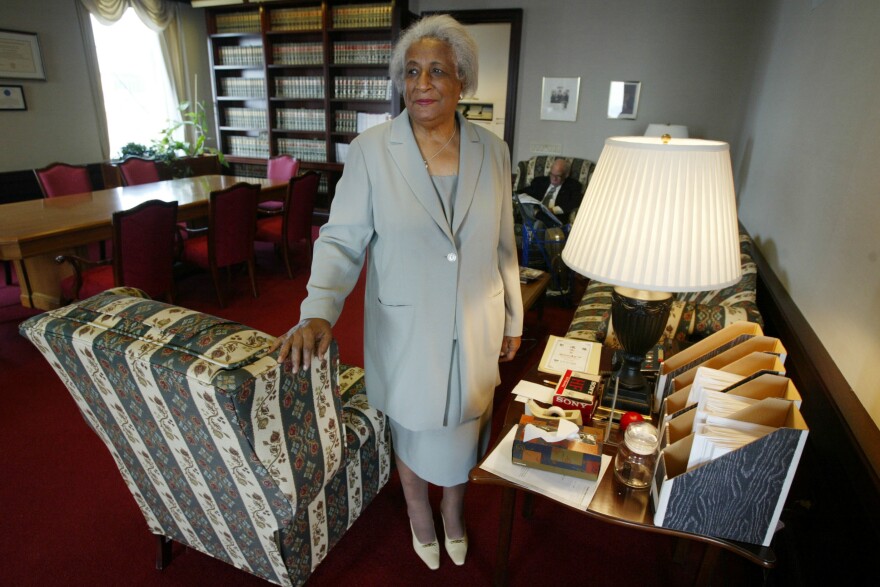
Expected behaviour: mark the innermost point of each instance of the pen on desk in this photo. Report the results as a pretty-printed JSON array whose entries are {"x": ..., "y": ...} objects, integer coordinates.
[{"x": 548, "y": 382}]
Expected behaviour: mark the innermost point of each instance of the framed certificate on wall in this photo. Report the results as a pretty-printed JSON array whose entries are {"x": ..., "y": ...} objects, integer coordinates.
[{"x": 20, "y": 56}]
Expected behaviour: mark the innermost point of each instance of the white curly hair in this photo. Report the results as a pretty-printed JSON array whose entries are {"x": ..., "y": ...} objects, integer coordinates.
[{"x": 443, "y": 28}]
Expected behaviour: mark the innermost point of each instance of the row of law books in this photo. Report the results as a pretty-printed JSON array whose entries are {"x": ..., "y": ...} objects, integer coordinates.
[
  {"x": 240, "y": 87},
  {"x": 355, "y": 122},
  {"x": 362, "y": 52},
  {"x": 302, "y": 87},
  {"x": 308, "y": 18},
  {"x": 308, "y": 119},
  {"x": 731, "y": 436},
  {"x": 298, "y": 53},
  {"x": 362, "y": 16},
  {"x": 362, "y": 88},
  {"x": 238, "y": 22},
  {"x": 257, "y": 147},
  {"x": 251, "y": 55},
  {"x": 254, "y": 118},
  {"x": 303, "y": 149}
]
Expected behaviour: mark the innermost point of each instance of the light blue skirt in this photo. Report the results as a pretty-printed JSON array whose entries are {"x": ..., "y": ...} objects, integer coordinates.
[{"x": 444, "y": 456}]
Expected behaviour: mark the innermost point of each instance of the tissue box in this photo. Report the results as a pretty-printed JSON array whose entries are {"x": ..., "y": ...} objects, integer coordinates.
[{"x": 580, "y": 457}]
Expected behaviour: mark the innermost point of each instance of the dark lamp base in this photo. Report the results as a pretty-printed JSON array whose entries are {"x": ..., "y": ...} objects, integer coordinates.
[{"x": 639, "y": 318}]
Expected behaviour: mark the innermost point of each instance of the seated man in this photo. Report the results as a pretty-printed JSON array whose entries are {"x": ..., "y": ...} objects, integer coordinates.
[{"x": 558, "y": 192}]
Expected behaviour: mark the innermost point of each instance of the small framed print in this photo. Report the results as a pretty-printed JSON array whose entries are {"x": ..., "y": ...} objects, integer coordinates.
[
  {"x": 559, "y": 98},
  {"x": 12, "y": 98},
  {"x": 20, "y": 56},
  {"x": 623, "y": 100}
]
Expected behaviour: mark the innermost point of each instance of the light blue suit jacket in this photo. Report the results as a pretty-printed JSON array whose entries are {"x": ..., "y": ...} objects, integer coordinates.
[{"x": 428, "y": 282}]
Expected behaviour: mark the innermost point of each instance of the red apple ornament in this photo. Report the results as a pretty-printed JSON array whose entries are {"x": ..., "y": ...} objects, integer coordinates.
[{"x": 628, "y": 418}]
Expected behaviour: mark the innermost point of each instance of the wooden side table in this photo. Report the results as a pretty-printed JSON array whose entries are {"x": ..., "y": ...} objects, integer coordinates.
[
  {"x": 533, "y": 292},
  {"x": 613, "y": 503}
]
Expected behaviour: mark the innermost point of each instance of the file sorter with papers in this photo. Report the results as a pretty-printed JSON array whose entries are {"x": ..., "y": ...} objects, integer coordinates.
[
  {"x": 738, "y": 495},
  {"x": 700, "y": 352}
]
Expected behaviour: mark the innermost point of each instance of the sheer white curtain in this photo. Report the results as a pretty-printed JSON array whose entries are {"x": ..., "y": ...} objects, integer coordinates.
[{"x": 160, "y": 16}]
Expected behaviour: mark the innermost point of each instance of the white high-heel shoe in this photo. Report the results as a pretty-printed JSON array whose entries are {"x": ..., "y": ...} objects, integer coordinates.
[
  {"x": 457, "y": 547},
  {"x": 429, "y": 553}
]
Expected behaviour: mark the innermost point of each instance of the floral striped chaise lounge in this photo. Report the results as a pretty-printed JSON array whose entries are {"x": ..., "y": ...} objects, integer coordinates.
[{"x": 222, "y": 450}]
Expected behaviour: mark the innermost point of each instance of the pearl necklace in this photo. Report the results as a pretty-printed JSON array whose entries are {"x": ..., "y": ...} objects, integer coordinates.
[{"x": 431, "y": 158}]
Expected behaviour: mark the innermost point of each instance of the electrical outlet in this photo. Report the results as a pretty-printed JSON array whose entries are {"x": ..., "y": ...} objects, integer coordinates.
[{"x": 546, "y": 148}]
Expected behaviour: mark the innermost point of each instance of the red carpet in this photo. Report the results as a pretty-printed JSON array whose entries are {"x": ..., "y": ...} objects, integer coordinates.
[{"x": 66, "y": 517}]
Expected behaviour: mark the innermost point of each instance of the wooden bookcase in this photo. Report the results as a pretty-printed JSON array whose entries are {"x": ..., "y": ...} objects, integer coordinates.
[{"x": 294, "y": 76}]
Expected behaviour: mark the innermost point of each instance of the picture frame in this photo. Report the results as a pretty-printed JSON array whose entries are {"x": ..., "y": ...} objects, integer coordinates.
[
  {"x": 623, "y": 100},
  {"x": 559, "y": 98},
  {"x": 483, "y": 111},
  {"x": 20, "y": 56},
  {"x": 12, "y": 98}
]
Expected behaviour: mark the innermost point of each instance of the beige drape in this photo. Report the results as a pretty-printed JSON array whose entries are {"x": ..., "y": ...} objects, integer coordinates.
[{"x": 158, "y": 15}]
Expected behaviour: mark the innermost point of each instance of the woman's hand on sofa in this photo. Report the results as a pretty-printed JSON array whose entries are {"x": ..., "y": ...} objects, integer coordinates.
[{"x": 311, "y": 337}]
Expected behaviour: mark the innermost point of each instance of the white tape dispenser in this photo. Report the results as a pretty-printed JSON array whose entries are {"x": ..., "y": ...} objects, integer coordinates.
[{"x": 554, "y": 413}]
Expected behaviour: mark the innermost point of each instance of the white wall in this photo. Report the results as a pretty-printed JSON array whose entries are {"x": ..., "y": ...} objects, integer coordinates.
[
  {"x": 692, "y": 56},
  {"x": 493, "y": 40},
  {"x": 810, "y": 174},
  {"x": 60, "y": 123}
]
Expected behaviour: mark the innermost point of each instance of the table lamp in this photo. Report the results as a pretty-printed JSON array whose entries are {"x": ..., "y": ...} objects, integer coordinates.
[{"x": 659, "y": 216}]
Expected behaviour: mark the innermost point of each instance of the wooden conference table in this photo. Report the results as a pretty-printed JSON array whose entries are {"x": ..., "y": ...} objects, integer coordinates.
[{"x": 32, "y": 233}]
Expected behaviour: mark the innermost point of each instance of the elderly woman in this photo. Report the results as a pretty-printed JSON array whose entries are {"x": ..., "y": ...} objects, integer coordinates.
[{"x": 426, "y": 200}]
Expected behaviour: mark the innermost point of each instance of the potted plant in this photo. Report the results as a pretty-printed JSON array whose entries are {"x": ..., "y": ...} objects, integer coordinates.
[{"x": 177, "y": 155}]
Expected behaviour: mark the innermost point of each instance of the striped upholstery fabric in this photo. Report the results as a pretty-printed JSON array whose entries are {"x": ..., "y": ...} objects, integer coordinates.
[
  {"x": 693, "y": 315},
  {"x": 222, "y": 450}
]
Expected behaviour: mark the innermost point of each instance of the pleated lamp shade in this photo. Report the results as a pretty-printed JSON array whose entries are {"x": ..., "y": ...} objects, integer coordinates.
[{"x": 658, "y": 217}]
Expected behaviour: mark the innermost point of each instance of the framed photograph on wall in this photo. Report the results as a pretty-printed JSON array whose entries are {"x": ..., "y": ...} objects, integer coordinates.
[
  {"x": 559, "y": 98},
  {"x": 12, "y": 98},
  {"x": 20, "y": 56},
  {"x": 623, "y": 100}
]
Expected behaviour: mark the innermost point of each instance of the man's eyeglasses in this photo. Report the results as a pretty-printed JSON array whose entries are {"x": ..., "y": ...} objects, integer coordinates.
[{"x": 556, "y": 175}]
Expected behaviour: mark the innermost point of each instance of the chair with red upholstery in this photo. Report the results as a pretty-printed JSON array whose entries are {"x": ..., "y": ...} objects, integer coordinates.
[
  {"x": 229, "y": 237},
  {"x": 281, "y": 168},
  {"x": 292, "y": 228},
  {"x": 137, "y": 170},
  {"x": 144, "y": 244},
  {"x": 61, "y": 179}
]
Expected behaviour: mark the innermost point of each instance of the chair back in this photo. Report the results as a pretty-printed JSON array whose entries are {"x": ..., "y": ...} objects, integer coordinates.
[
  {"x": 282, "y": 168},
  {"x": 137, "y": 170},
  {"x": 61, "y": 179},
  {"x": 144, "y": 244},
  {"x": 540, "y": 165},
  {"x": 232, "y": 222},
  {"x": 299, "y": 206}
]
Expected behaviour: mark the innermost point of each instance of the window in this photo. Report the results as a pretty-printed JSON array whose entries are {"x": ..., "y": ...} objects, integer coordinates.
[{"x": 138, "y": 98}]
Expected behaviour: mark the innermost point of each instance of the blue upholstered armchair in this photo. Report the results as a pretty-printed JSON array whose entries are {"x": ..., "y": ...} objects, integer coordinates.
[
  {"x": 222, "y": 449},
  {"x": 538, "y": 249}
]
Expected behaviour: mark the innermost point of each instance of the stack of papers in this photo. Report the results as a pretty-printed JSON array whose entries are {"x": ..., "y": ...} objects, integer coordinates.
[
  {"x": 566, "y": 489},
  {"x": 719, "y": 436},
  {"x": 710, "y": 380},
  {"x": 716, "y": 403}
]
